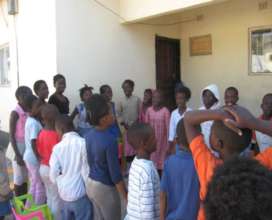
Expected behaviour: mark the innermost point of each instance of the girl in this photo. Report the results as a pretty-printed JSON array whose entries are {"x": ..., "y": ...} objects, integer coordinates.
[
  {"x": 129, "y": 113},
  {"x": 83, "y": 125},
  {"x": 105, "y": 182},
  {"x": 158, "y": 117},
  {"x": 58, "y": 99},
  {"x": 41, "y": 90},
  {"x": 182, "y": 95},
  {"x": 106, "y": 91},
  {"x": 32, "y": 129},
  {"x": 17, "y": 137},
  {"x": 147, "y": 102},
  {"x": 210, "y": 99}
]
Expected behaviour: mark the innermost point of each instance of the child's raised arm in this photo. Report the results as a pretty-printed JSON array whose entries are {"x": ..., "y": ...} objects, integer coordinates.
[
  {"x": 244, "y": 119},
  {"x": 12, "y": 130},
  {"x": 193, "y": 118}
]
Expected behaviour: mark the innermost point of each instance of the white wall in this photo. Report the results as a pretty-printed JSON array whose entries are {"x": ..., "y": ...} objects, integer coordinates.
[
  {"x": 134, "y": 10},
  {"x": 94, "y": 48},
  {"x": 228, "y": 24},
  {"x": 35, "y": 25}
]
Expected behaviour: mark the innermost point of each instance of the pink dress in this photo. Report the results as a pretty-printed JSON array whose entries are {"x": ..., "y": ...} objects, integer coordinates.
[
  {"x": 159, "y": 120},
  {"x": 142, "y": 114}
]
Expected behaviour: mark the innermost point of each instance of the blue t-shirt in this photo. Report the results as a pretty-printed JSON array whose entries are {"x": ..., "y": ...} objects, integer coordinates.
[
  {"x": 102, "y": 154},
  {"x": 181, "y": 185}
]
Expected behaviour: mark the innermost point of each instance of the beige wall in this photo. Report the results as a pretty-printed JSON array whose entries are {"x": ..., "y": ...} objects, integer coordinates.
[
  {"x": 134, "y": 10},
  {"x": 228, "y": 65},
  {"x": 94, "y": 48}
]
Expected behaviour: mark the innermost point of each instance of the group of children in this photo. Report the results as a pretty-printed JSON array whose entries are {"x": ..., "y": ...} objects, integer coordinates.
[{"x": 72, "y": 163}]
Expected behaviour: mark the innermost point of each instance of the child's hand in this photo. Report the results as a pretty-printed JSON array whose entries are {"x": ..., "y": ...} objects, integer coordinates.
[{"x": 242, "y": 117}]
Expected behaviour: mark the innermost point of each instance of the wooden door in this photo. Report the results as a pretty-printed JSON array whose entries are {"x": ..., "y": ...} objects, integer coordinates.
[{"x": 167, "y": 68}]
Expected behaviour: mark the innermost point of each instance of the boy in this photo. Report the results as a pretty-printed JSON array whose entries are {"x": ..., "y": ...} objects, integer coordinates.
[
  {"x": 231, "y": 96},
  {"x": 105, "y": 183},
  {"x": 46, "y": 140},
  {"x": 240, "y": 189},
  {"x": 179, "y": 197},
  {"x": 264, "y": 140},
  {"x": 143, "y": 183},
  {"x": 223, "y": 140},
  {"x": 244, "y": 119},
  {"x": 68, "y": 168},
  {"x": 183, "y": 95}
]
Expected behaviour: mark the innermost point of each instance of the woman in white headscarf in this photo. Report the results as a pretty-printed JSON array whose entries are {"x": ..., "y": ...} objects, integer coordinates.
[{"x": 210, "y": 99}]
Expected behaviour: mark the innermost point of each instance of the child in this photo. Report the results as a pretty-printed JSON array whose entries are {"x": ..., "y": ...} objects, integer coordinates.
[
  {"x": 158, "y": 117},
  {"x": 32, "y": 129},
  {"x": 17, "y": 136},
  {"x": 231, "y": 96},
  {"x": 105, "y": 179},
  {"x": 128, "y": 112},
  {"x": 211, "y": 100},
  {"x": 264, "y": 140},
  {"x": 240, "y": 189},
  {"x": 183, "y": 95},
  {"x": 41, "y": 90},
  {"x": 244, "y": 119},
  {"x": 179, "y": 184},
  {"x": 47, "y": 139},
  {"x": 143, "y": 182},
  {"x": 58, "y": 99},
  {"x": 106, "y": 92},
  {"x": 147, "y": 102},
  {"x": 83, "y": 126},
  {"x": 223, "y": 140},
  {"x": 5, "y": 192},
  {"x": 68, "y": 169}
]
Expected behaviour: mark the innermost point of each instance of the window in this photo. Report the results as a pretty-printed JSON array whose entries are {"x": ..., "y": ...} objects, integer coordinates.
[
  {"x": 4, "y": 65},
  {"x": 261, "y": 50}
]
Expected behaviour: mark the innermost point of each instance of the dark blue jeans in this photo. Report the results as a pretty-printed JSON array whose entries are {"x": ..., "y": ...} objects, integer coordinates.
[{"x": 80, "y": 209}]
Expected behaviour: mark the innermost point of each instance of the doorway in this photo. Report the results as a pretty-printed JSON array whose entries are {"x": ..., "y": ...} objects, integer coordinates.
[{"x": 167, "y": 68}]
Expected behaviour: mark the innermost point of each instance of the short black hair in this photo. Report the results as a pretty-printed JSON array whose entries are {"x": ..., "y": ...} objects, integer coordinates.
[
  {"x": 130, "y": 82},
  {"x": 57, "y": 77},
  {"x": 98, "y": 107},
  {"x": 37, "y": 85},
  {"x": 103, "y": 88},
  {"x": 49, "y": 112},
  {"x": 185, "y": 90},
  {"x": 138, "y": 132},
  {"x": 232, "y": 88},
  {"x": 64, "y": 123},
  {"x": 148, "y": 91},
  {"x": 230, "y": 139},
  {"x": 268, "y": 95},
  {"x": 181, "y": 133},
  {"x": 240, "y": 189},
  {"x": 29, "y": 101},
  {"x": 84, "y": 89},
  {"x": 22, "y": 92}
]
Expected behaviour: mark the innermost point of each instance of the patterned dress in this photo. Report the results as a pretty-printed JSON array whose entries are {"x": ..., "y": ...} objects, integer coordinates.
[{"x": 159, "y": 120}]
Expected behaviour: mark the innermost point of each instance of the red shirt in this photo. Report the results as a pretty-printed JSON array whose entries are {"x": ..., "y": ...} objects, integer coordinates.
[{"x": 46, "y": 140}]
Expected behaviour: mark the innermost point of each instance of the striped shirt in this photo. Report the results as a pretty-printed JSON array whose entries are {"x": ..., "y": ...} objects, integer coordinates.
[{"x": 143, "y": 191}]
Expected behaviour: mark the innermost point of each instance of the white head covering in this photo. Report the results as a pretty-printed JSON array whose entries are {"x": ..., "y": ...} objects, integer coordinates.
[{"x": 215, "y": 91}]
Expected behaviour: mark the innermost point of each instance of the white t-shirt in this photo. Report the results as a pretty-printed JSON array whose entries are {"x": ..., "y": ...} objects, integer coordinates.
[
  {"x": 174, "y": 120},
  {"x": 143, "y": 191},
  {"x": 264, "y": 141},
  {"x": 32, "y": 130}
]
